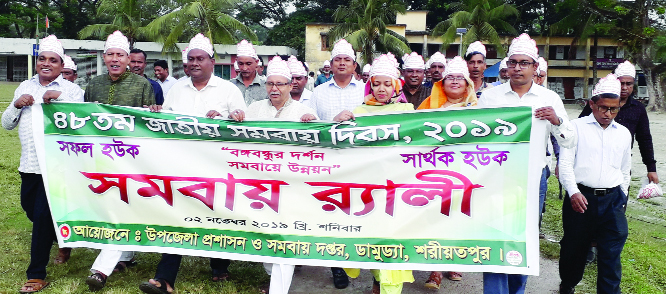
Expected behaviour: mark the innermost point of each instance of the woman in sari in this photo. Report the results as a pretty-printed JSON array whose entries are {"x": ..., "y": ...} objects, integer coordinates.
[{"x": 456, "y": 89}]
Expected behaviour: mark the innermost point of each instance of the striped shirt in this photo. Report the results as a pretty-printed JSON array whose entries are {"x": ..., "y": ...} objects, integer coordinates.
[
  {"x": 23, "y": 117},
  {"x": 329, "y": 99},
  {"x": 255, "y": 92}
]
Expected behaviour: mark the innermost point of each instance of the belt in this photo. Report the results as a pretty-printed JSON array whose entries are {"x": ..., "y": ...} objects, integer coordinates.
[{"x": 596, "y": 191}]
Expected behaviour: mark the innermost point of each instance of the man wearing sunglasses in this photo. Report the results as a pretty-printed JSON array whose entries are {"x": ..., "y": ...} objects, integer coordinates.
[{"x": 596, "y": 175}]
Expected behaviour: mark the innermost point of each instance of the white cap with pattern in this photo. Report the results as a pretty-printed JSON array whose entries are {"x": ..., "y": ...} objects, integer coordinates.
[
  {"x": 117, "y": 40},
  {"x": 543, "y": 66},
  {"x": 413, "y": 60},
  {"x": 457, "y": 65},
  {"x": 626, "y": 69},
  {"x": 183, "y": 55},
  {"x": 278, "y": 67},
  {"x": 69, "y": 63},
  {"x": 437, "y": 57},
  {"x": 296, "y": 67},
  {"x": 476, "y": 47},
  {"x": 245, "y": 48},
  {"x": 385, "y": 65},
  {"x": 201, "y": 42},
  {"x": 367, "y": 68},
  {"x": 608, "y": 85},
  {"x": 524, "y": 45},
  {"x": 326, "y": 63},
  {"x": 503, "y": 63},
  {"x": 52, "y": 44},
  {"x": 342, "y": 47}
]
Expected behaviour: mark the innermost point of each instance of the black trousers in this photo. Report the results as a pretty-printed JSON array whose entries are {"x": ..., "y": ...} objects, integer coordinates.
[
  {"x": 167, "y": 269},
  {"x": 604, "y": 220},
  {"x": 36, "y": 207}
]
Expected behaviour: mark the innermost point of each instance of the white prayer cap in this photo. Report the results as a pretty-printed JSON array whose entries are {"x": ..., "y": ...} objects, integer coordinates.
[
  {"x": 245, "y": 48},
  {"x": 326, "y": 63},
  {"x": 457, "y": 65},
  {"x": 259, "y": 63},
  {"x": 503, "y": 63},
  {"x": 367, "y": 68},
  {"x": 543, "y": 66},
  {"x": 296, "y": 67},
  {"x": 476, "y": 47},
  {"x": 413, "y": 60},
  {"x": 385, "y": 65},
  {"x": 608, "y": 85},
  {"x": 524, "y": 45},
  {"x": 52, "y": 44},
  {"x": 183, "y": 55},
  {"x": 117, "y": 40},
  {"x": 625, "y": 69},
  {"x": 236, "y": 65},
  {"x": 69, "y": 63},
  {"x": 202, "y": 43},
  {"x": 278, "y": 67},
  {"x": 437, "y": 57},
  {"x": 342, "y": 47}
]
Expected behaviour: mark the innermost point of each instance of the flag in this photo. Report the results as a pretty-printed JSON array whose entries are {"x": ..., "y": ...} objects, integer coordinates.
[{"x": 47, "y": 22}]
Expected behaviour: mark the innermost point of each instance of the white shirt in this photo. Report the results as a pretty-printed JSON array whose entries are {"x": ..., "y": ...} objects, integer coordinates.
[
  {"x": 167, "y": 84},
  {"x": 23, "y": 117},
  {"x": 601, "y": 159},
  {"x": 329, "y": 99},
  {"x": 536, "y": 97},
  {"x": 310, "y": 84},
  {"x": 263, "y": 109},
  {"x": 305, "y": 96},
  {"x": 218, "y": 94}
]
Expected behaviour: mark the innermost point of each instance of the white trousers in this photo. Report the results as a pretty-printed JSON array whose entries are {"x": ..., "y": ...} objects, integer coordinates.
[
  {"x": 107, "y": 259},
  {"x": 281, "y": 275}
]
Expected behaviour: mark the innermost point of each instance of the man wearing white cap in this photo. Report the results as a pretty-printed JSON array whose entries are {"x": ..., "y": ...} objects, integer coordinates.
[
  {"x": 205, "y": 95},
  {"x": 435, "y": 66},
  {"x": 476, "y": 64},
  {"x": 47, "y": 85},
  {"x": 503, "y": 73},
  {"x": 366, "y": 72},
  {"x": 541, "y": 75},
  {"x": 342, "y": 92},
  {"x": 299, "y": 78},
  {"x": 249, "y": 82},
  {"x": 260, "y": 68},
  {"x": 185, "y": 69},
  {"x": 633, "y": 116},
  {"x": 119, "y": 87},
  {"x": 236, "y": 68},
  {"x": 69, "y": 70},
  {"x": 596, "y": 175},
  {"x": 325, "y": 75},
  {"x": 415, "y": 91},
  {"x": 138, "y": 66},
  {"x": 549, "y": 113}
]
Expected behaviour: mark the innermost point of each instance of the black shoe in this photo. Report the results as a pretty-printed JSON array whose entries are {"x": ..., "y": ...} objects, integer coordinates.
[
  {"x": 566, "y": 290},
  {"x": 340, "y": 278},
  {"x": 591, "y": 255}
]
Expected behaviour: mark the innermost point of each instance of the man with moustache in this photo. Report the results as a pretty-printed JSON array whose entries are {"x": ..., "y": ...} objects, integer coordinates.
[
  {"x": 548, "y": 110},
  {"x": 119, "y": 87},
  {"x": 596, "y": 174},
  {"x": 47, "y": 85},
  {"x": 325, "y": 75},
  {"x": 476, "y": 64},
  {"x": 415, "y": 91},
  {"x": 69, "y": 70},
  {"x": 503, "y": 73},
  {"x": 138, "y": 65},
  {"x": 366, "y": 72},
  {"x": 435, "y": 66},
  {"x": 248, "y": 82},
  {"x": 299, "y": 78},
  {"x": 185, "y": 70}
]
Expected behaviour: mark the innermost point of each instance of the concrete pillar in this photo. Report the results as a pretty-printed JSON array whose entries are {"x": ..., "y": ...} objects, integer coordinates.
[
  {"x": 170, "y": 64},
  {"x": 99, "y": 63},
  {"x": 424, "y": 52},
  {"x": 586, "y": 75},
  {"x": 30, "y": 67},
  {"x": 546, "y": 49}
]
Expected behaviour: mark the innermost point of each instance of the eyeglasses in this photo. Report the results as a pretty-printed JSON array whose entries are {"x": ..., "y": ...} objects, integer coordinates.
[
  {"x": 452, "y": 78},
  {"x": 523, "y": 64},
  {"x": 270, "y": 85},
  {"x": 603, "y": 109}
]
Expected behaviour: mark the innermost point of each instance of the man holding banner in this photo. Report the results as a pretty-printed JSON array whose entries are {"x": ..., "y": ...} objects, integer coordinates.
[{"x": 548, "y": 107}]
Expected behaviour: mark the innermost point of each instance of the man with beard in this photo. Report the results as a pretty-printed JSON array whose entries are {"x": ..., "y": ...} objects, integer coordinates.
[
  {"x": 326, "y": 74},
  {"x": 476, "y": 63},
  {"x": 436, "y": 66},
  {"x": 138, "y": 65},
  {"x": 503, "y": 73},
  {"x": 47, "y": 85},
  {"x": 299, "y": 78},
  {"x": 366, "y": 73},
  {"x": 248, "y": 82},
  {"x": 415, "y": 91},
  {"x": 118, "y": 87},
  {"x": 69, "y": 70}
]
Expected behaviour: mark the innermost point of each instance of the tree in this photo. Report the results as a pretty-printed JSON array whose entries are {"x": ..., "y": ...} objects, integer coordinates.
[
  {"x": 485, "y": 20},
  {"x": 209, "y": 17},
  {"x": 363, "y": 24},
  {"x": 128, "y": 16},
  {"x": 291, "y": 32},
  {"x": 536, "y": 17}
]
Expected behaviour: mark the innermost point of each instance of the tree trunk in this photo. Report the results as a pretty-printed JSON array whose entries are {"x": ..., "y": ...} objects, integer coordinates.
[{"x": 652, "y": 94}]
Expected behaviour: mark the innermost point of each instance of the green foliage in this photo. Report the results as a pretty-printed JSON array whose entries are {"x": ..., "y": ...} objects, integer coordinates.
[
  {"x": 129, "y": 16},
  {"x": 291, "y": 32}
]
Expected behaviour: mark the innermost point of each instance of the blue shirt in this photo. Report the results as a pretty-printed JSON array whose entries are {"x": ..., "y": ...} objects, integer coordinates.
[
  {"x": 159, "y": 95},
  {"x": 322, "y": 79}
]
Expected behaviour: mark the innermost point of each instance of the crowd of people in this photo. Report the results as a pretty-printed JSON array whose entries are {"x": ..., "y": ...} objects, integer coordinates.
[{"x": 593, "y": 151}]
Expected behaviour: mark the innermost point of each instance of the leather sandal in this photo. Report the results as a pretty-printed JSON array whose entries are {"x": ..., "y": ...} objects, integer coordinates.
[
  {"x": 454, "y": 276},
  {"x": 63, "y": 255},
  {"x": 96, "y": 281},
  {"x": 434, "y": 281},
  {"x": 35, "y": 285},
  {"x": 150, "y": 288}
]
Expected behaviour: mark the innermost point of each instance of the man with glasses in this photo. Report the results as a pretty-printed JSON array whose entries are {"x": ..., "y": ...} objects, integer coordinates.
[
  {"x": 299, "y": 78},
  {"x": 548, "y": 110},
  {"x": 476, "y": 64},
  {"x": 415, "y": 91},
  {"x": 596, "y": 175},
  {"x": 541, "y": 75}
]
